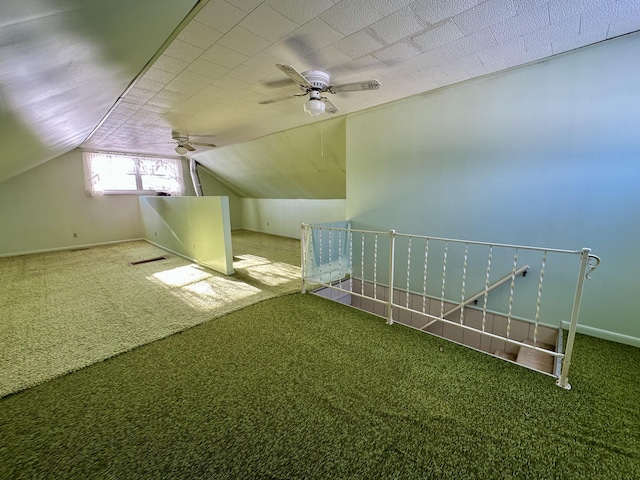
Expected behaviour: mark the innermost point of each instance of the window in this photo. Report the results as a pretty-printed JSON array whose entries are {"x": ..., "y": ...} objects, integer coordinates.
[{"x": 109, "y": 173}]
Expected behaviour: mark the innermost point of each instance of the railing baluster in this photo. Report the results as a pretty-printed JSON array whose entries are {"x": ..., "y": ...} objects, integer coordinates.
[
  {"x": 511, "y": 289},
  {"x": 444, "y": 277},
  {"x": 539, "y": 300},
  {"x": 330, "y": 261},
  {"x": 486, "y": 289},
  {"x": 362, "y": 265},
  {"x": 375, "y": 267},
  {"x": 320, "y": 255},
  {"x": 339, "y": 234},
  {"x": 464, "y": 282},
  {"x": 424, "y": 277},
  {"x": 408, "y": 273},
  {"x": 350, "y": 267}
]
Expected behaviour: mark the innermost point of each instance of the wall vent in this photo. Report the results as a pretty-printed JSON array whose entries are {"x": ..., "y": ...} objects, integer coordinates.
[{"x": 148, "y": 260}]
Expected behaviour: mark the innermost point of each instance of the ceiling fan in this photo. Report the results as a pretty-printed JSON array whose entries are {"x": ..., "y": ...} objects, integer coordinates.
[
  {"x": 184, "y": 145},
  {"x": 316, "y": 82}
]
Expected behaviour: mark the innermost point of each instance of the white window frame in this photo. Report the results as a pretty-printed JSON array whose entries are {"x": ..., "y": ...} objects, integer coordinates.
[{"x": 96, "y": 170}]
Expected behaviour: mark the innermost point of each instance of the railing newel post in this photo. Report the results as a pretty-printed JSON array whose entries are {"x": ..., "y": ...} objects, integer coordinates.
[
  {"x": 563, "y": 381},
  {"x": 303, "y": 254},
  {"x": 392, "y": 245}
]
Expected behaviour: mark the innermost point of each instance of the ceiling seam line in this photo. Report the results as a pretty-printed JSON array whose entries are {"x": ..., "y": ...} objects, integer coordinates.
[{"x": 185, "y": 21}]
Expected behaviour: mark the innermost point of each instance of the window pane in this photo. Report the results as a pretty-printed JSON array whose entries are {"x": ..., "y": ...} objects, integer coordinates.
[
  {"x": 105, "y": 173},
  {"x": 116, "y": 173},
  {"x": 160, "y": 175}
]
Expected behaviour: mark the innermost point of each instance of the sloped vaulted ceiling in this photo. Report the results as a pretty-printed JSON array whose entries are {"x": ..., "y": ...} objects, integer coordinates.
[{"x": 63, "y": 65}]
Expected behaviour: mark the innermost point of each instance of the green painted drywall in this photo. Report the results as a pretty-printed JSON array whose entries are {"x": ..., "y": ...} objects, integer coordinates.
[
  {"x": 284, "y": 217},
  {"x": 547, "y": 154},
  {"x": 211, "y": 186},
  {"x": 42, "y": 208},
  {"x": 304, "y": 162},
  {"x": 198, "y": 228}
]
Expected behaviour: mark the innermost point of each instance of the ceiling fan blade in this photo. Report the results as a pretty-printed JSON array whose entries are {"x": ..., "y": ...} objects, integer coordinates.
[
  {"x": 355, "y": 86},
  {"x": 202, "y": 144},
  {"x": 281, "y": 99},
  {"x": 294, "y": 75},
  {"x": 330, "y": 107},
  {"x": 188, "y": 147}
]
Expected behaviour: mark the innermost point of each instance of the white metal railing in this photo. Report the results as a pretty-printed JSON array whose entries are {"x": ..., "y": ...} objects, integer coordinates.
[{"x": 388, "y": 267}]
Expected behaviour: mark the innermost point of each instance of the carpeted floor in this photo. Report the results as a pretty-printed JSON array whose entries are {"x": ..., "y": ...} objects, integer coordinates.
[
  {"x": 298, "y": 387},
  {"x": 61, "y": 311}
]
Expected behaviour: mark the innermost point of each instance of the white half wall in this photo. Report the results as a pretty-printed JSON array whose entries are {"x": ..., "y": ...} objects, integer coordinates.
[
  {"x": 197, "y": 228},
  {"x": 284, "y": 216}
]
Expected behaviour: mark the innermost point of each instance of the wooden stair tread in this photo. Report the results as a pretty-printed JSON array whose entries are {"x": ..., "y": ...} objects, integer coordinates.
[
  {"x": 506, "y": 355},
  {"x": 535, "y": 359}
]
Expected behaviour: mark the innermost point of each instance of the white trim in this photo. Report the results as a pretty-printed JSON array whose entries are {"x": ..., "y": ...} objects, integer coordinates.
[
  {"x": 69, "y": 247},
  {"x": 605, "y": 334}
]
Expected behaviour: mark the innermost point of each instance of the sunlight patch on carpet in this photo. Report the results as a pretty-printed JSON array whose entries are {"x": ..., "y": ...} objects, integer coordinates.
[
  {"x": 266, "y": 271},
  {"x": 202, "y": 290}
]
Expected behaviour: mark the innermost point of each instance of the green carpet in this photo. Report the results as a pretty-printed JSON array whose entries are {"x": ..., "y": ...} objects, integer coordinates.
[
  {"x": 64, "y": 310},
  {"x": 300, "y": 387}
]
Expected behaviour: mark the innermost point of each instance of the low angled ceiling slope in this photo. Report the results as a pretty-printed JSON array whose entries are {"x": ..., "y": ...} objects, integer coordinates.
[
  {"x": 303, "y": 162},
  {"x": 64, "y": 63}
]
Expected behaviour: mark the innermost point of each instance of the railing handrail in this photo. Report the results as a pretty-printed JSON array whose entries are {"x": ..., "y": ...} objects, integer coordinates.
[
  {"x": 491, "y": 287},
  {"x": 451, "y": 240}
]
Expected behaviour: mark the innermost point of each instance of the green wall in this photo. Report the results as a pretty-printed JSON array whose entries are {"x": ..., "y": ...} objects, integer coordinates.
[
  {"x": 547, "y": 154},
  {"x": 41, "y": 210},
  {"x": 197, "y": 228},
  {"x": 284, "y": 217},
  {"x": 211, "y": 186}
]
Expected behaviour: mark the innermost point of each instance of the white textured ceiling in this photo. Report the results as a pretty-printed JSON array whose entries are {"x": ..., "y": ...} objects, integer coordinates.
[
  {"x": 209, "y": 80},
  {"x": 65, "y": 63}
]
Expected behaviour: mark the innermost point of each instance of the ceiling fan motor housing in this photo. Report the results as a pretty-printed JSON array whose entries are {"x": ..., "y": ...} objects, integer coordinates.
[
  {"x": 180, "y": 139},
  {"x": 319, "y": 80}
]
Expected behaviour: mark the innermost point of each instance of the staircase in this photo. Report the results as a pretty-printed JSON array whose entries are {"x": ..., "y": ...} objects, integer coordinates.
[{"x": 531, "y": 358}]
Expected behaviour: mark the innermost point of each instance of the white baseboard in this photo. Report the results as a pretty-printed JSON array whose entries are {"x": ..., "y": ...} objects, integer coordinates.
[
  {"x": 605, "y": 334},
  {"x": 69, "y": 247}
]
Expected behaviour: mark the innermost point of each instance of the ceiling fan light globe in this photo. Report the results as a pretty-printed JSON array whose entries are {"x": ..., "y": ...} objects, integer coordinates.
[
  {"x": 314, "y": 107},
  {"x": 180, "y": 150}
]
